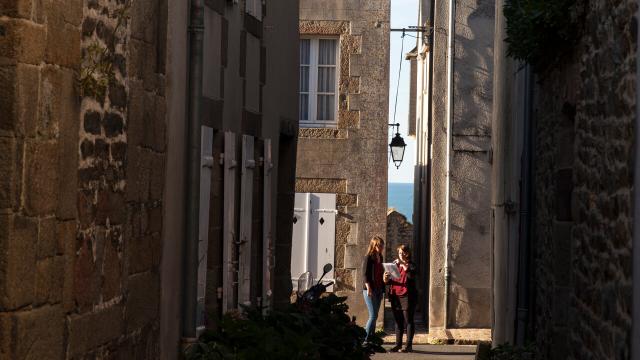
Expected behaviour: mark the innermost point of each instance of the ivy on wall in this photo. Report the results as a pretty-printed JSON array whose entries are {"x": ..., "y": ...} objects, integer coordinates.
[{"x": 540, "y": 32}]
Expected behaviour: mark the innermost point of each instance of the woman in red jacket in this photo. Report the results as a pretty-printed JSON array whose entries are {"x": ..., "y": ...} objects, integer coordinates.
[{"x": 403, "y": 297}]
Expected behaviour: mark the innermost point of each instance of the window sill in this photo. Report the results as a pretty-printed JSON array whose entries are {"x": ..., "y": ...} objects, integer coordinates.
[{"x": 318, "y": 125}]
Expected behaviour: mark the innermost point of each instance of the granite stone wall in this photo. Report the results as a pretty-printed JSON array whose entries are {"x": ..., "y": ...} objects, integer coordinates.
[
  {"x": 584, "y": 114},
  {"x": 81, "y": 207},
  {"x": 39, "y": 109},
  {"x": 553, "y": 223}
]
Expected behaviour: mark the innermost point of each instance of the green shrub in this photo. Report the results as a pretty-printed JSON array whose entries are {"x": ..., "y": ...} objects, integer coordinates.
[
  {"x": 510, "y": 352},
  {"x": 540, "y": 32},
  {"x": 320, "y": 331}
]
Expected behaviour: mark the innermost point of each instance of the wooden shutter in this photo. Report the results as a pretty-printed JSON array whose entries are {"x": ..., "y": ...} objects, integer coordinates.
[
  {"x": 246, "y": 220},
  {"x": 314, "y": 234},
  {"x": 322, "y": 233},
  {"x": 229, "y": 236},
  {"x": 267, "y": 239},
  {"x": 206, "y": 163}
]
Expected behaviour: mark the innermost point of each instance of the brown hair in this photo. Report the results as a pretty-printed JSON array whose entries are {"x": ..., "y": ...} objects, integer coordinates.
[
  {"x": 405, "y": 249},
  {"x": 376, "y": 240}
]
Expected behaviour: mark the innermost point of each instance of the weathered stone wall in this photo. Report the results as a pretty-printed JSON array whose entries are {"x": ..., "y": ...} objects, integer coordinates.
[
  {"x": 468, "y": 241},
  {"x": 583, "y": 184},
  {"x": 399, "y": 232},
  {"x": 39, "y": 112},
  {"x": 81, "y": 206},
  {"x": 353, "y": 156},
  {"x": 603, "y": 181},
  {"x": 553, "y": 223}
]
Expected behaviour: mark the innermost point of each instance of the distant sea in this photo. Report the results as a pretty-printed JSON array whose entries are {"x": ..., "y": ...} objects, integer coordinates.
[{"x": 400, "y": 197}]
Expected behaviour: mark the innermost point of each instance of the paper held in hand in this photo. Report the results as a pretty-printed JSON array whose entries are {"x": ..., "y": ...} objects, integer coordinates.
[{"x": 392, "y": 269}]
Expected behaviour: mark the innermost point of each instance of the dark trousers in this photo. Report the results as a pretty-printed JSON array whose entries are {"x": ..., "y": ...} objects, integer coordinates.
[{"x": 404, "y": 307}]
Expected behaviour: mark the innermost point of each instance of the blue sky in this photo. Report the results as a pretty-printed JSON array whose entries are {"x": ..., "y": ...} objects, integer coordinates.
[{"x": 404, "y": 13}]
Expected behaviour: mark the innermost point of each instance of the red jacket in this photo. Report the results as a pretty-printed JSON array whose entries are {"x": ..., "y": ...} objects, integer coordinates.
[{"x": 406, "y": 284}]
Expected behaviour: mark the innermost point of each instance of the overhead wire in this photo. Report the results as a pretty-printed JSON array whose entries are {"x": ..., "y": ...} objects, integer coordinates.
[{"x": 395, "y": 105}]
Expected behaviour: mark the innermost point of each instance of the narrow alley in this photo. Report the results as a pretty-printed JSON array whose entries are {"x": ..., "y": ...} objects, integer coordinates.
[{"x": 286, "y": 179}]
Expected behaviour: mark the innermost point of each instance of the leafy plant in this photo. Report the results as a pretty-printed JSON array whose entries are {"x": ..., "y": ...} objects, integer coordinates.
[
  {"x": 540, "y": 32},
  {"x": 510, "y": 352},
  {"x": 96, "y": 72},
  {"x": 435, "y": 341},
  {"x": 322, "y": 330}
]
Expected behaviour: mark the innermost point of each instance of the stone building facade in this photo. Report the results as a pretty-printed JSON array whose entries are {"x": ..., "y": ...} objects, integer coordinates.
[
  {"x": 349, "y": 157},
  {"x": 92, "y": 163},
  {"x": 575, "y": 300},
  {"x": 453, "y": 78}
]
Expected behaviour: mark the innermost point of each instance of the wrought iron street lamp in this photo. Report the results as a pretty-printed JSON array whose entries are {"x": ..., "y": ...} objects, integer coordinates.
[{"x": 397, "y": 146}]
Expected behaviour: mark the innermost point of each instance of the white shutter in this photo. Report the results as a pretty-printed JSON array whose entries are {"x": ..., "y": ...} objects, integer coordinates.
[
  {"x": 267, "y": 240},
  {"x": 314, "y": 234},
  {"x": 246, "y": 220},
  {"x": 206, "y": 162},
  {"x": 254, "y": 8},
  {"x": 300, "y": 235},
  {"x": 322, "y": 233},
  {"x": 229, "y": 236}
]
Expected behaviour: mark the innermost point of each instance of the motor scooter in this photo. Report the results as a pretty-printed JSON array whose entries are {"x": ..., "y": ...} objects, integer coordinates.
[{"x": 307, "y": 293}]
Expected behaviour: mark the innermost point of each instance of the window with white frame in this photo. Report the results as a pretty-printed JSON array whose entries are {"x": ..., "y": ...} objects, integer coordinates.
[
  {"x": 318, "y": 78},
  {"x": 254, "y": 8}
]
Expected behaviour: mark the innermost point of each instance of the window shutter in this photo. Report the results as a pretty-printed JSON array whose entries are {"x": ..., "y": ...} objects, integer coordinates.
[
  {"x": 254, "y": 8},
  {"x": 314, "y": 232},
  {"x": 206, "y": 162},
  {"x": 267, "y": 240},
  {"x": 229, "y": 237},
  {"x": 246, "y": 220},
  {"x": 300, "y": 235},
  {"x": 322, "y": 233}
]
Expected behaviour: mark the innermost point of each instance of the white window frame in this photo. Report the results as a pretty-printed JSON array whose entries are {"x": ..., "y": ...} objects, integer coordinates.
[
  {"x": 312, "y": 122},
  {"x": 254, "y": 8}
]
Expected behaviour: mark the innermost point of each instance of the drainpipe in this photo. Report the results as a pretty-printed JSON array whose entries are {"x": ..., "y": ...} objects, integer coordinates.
[
  {"x": 522, "y": 301},
  {"x": 635, "y": 324},
  {"x": 190, "y": 280},
  {"x": 447, "y": 270}
]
